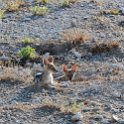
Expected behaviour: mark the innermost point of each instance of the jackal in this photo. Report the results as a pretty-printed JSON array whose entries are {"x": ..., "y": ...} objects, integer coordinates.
[{"x": 46, "y": 77}]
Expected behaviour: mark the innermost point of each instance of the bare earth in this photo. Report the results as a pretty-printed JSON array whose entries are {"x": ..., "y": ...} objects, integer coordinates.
[{"x": 99, "y": 96}]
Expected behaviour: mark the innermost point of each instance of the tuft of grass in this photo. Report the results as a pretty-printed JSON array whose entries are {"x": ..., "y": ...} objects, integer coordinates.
[
  {"x": 37, "y": 10},
  {"x": 2, "y": 12},
  {"x": 27, "y": 52},
  {"x": 112, "y": 12},
  {"x": 27, "y": 41},
  {"x": 65, "y": 3},
  {"x": 75, "y": 36},
  {"x": 71, "y": 108},
  {"x": 14, "y": 5},
  {"x": 104, "y": 47},
  {"x": 42, "y": 1}
]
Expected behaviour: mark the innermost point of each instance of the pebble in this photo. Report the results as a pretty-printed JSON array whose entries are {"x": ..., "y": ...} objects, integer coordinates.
[
  {"x": 115, "y": 118},
  {"x": 122, "y": 10},
  {"x": 76, "y": 54},
  {"x": 98, "y": 117},
  {"x": 107, "y": 108},
  {"x": 77, "y": 117},
  {"x": 105, "y": 121},
  {"x": 121, "y": 121}
]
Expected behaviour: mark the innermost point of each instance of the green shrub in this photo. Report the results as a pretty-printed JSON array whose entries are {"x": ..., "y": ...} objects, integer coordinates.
[
  {"x": 115, "y": 12},
  {"x": 14, "y": 5},
  {"x": 66, "y": 3},
  {"x": 2, "y": 13},
  {"x": 42, "y": 1},
  {"x": 27, "y": 52},
  {"x": 27, "y": 40},
  {"x": 37, "y": 10}
]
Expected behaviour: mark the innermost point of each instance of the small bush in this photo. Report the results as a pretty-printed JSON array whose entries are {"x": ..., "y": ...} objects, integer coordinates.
[
  {"x": 42, "y": 1},
  {"x": 27, "y": 52},
  {"x": 74, "y": 36},
  {"x": 37, "y": 10},
  {"x": 112, "y": 12},
  {"x": 104, "y": 47},
  {"x": 66, "y": 3},
  {"x": 27, "y": 40},
  {"x": 2, "y": 13},
  {"x": 14, "y": 5},
  {"x": 72, "y": 108}
]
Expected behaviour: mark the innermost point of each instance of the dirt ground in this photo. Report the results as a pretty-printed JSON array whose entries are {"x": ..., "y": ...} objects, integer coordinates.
[{"x": 89, "y": 33}]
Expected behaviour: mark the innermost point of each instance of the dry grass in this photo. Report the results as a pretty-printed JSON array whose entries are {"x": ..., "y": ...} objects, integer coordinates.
[
  {"x": 14, "y": 5},
  {"x": 104, "y": 47},
  {"x": 98, "y": 3},
  {"x": 71, "y": 108},
  {"x": 75, "y": 36},
  {"x": 112, "y": 12},
  {"x": 14, "y": 74}
]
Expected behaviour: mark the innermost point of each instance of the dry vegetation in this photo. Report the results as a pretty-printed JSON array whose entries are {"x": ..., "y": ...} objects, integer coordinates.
[
  {"x": 75, "y": 36},
  {"x": 86, "y": 33},
  {"x": 14, "y": 5},
  {"x": 105, "y": 47}
]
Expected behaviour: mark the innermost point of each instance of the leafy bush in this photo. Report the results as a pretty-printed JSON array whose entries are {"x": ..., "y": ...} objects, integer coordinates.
[
  {"x": 66, "y": 3},
  {"x": 27, "y": 52},
  {"x": 14, "y": 5},
  {"x": 42, "y": 1},
  {"x": 115, "y": 12},
  {"x": 27, "y": 40},
  {"x": 2, "y": 13},
  {"x": 112, "y": 12},
  {"x": 37, "y": 10}
]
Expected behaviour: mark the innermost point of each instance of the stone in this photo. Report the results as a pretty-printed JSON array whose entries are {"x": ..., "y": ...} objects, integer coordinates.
[
  {"x": 107, "y": 108},
  {"x": 122, "y": 10},
  {"x": 77, "y": 117},
  {"x": 105, "y": 121},
  {"x": 121, "y": 121},
  {"x": 75, "y": 53},
  {"x": 115, "y": 118},
  {"x": 79, "y": 122},
  {"x": 98, "y": 117},
  {"x": 86, "y": 110}
]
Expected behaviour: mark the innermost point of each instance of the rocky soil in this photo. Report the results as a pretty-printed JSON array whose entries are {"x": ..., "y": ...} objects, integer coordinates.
[{"x": 99, "y": 96}]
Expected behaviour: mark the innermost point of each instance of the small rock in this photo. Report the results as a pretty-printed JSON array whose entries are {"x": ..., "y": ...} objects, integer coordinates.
[
  {"x": 105, "y": 121},
  {"x": 114, "y": 111},
  {"x": 1, "y": 121},
  {"x": 79, "y": 122},
  {"x": 86, "y": 110},
  {"x": 77, "y": 117},
  {"x": 122, "y": 10},
  {"x": 86, "y": 17},
  {"x": 107, "y": 108},
  {"x": 98, "y": 117},
  {"x": 92, "y": 122},
  {"x": 27, "y": 19},
  {"x": 114, "y": 118},
  {"x": 76, "y": 54},
  {"x": 121, "y": 23},
  {"x": 121, "y": 121}
]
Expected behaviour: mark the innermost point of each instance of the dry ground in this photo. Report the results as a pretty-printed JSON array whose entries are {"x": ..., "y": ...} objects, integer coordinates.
[{"x": 83, "y": 34}]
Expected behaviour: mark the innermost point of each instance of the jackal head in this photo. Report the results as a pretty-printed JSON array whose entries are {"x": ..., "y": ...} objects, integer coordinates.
[
  {"x": 49, "y": 64},
  {"x": 70, "y": 72}
]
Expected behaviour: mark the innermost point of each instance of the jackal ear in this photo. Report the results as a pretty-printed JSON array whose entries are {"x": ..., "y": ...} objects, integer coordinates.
[
  {"x": 74, "y": 68},
  {"x": 64, "y": 68},
  {"x": 51, "y": 59}
]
